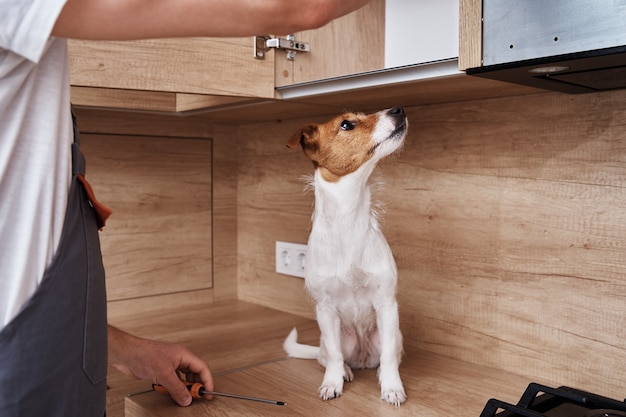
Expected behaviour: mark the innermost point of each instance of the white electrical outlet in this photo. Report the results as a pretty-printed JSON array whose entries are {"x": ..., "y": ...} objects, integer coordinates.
[{"x": 290, "y": 258}]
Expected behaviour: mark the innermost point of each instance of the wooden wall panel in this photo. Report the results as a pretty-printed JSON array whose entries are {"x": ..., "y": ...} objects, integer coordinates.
[
  {"x": 224, "y": 213},
  {"x": 271, "y": 206},
  {"x": 221, "y": 162},
  {"x": 511, "y": 232},
  {"x": 508, "y": 221},
  {"x": 159, "y": 238}
]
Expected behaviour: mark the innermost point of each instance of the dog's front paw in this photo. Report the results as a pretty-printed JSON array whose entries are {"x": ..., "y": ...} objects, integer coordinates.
[
  {"x": 393, "y": 396},
  {"x": 328, "y": 392}
]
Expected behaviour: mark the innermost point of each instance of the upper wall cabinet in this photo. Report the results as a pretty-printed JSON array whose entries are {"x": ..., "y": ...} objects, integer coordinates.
[
  {"x": 194, "y": 73},
  {"x": 179, "y": 74},
  {"x": 393, "y": 52},
  {"x": 193, "y": 66},
  {"x": 381, "y": 36},
  {"x": 408, "y": 54}
]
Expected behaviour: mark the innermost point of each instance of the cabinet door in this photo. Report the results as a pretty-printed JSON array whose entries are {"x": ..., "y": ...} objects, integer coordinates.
[
  {"x": 209, "y": 66},
  {"x": 349, "y": 45},
  {"x": 380, "y": 36}
]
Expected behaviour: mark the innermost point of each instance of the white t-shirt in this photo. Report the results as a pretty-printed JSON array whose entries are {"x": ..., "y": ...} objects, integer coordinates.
[{"x": 35, "y": 146}]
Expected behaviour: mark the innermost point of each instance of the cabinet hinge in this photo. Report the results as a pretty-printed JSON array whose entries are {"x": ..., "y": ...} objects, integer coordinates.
[{"x": 290, "y": 45}]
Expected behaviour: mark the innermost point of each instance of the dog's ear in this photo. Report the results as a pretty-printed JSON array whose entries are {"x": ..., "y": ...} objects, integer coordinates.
[{"x": 305, "y": 137}]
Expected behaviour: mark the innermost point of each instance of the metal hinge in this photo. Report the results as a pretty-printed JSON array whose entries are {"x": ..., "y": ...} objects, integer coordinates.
[{"x": 290, "y": 45}]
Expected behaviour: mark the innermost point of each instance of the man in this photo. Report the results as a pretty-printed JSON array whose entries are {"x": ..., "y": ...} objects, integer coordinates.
[{"x": 53, "y": 331}]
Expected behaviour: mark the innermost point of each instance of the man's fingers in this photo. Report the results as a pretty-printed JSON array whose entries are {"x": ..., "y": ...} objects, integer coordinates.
[
  {"x": 178, "y": 391},
  {"x": 199, "y": 369}
]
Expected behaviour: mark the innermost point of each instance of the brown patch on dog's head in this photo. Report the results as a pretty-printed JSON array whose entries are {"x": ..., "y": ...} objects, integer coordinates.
[{"x": 339, "y": 146}]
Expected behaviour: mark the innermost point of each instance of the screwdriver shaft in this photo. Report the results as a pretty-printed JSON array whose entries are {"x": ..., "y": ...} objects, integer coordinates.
[
  {"x": 197, "y": 391},
  {"x": 243, "y": 397}
]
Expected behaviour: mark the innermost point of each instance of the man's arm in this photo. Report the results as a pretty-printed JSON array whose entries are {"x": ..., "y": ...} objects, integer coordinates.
[{"x": 141, "y": 19}]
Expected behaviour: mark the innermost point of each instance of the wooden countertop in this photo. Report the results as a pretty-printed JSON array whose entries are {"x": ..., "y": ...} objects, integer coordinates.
[{"x": 243, "y": 344}]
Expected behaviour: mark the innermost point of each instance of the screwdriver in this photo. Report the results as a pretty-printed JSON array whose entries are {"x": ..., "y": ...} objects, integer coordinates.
[{"x": 197, "y": 391}]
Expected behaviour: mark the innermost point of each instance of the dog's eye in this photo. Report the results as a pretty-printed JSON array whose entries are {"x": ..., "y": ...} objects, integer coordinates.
[{"x": 347, "y": 125}]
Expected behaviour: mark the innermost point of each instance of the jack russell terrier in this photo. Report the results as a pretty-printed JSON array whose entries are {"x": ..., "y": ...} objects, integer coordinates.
[{"x": 350, "y": 270}]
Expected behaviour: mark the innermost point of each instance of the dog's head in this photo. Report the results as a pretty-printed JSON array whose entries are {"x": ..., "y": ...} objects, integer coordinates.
[{"x": 347, "y": 142}]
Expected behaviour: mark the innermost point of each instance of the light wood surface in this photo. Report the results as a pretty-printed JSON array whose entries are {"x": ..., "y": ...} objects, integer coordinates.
[
  {"x": 224, "y": 208},
  {"x": 352, "y": 44},
  {"x": 216, "y": 66},
  {"x": 229, "y": 335},
  {"x": 118, "y": 122},
  {"x": 507, "y": 218},
  {"x": 470, "y": 34},
  {"x": 249, "y": 339},
  {"x": 157, "y": 101},
  {"x": 159, "y": 238},
  {"x": 222, "y": 195}
]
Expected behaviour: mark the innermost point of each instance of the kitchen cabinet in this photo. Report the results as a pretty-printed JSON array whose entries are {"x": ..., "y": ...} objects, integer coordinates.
[
  {"x": 173, "y": 75},
  {"x": 181, "y": 75},
  {"x": 387, "y": 53},
  {"x": 420, "y": 66},
  {"x": 382, "y": 36}
]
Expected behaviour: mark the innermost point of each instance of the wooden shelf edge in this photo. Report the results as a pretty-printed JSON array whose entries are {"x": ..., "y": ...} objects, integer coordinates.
[{"x": 152, "y": 101}]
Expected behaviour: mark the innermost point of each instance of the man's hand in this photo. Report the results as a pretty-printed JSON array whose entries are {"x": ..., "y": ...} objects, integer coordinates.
[{"x": 159, "y": 363}]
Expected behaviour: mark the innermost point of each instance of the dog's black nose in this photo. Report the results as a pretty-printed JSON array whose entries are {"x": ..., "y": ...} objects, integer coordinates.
[{"x": 397, "y": 111}]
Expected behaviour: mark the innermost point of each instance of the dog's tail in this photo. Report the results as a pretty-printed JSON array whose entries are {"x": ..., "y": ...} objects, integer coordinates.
[{"x": 299, "y": 350}]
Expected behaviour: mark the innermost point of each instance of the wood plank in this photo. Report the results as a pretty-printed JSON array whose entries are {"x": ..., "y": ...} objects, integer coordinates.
[
  {"x": 91, "y": 120},
  {"x": 153, "y": 101},
  {"x": 224, "y": 223},
  {"x": 159, "y": 239},
  {"x": 216, "y": 66},
  {"x": 470, "y": 34},
  {"x": 123, "y": 99},
  {"x": 194, "y": 102}
]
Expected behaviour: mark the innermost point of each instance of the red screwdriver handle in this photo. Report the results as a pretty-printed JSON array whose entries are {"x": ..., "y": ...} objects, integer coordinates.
[{"x": 195, "y": 388}]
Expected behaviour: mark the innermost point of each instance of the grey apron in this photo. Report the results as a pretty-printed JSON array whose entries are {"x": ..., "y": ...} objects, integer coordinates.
[{"x": 53, "y": 354}]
